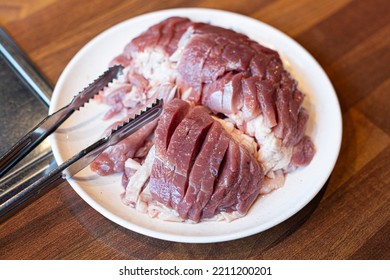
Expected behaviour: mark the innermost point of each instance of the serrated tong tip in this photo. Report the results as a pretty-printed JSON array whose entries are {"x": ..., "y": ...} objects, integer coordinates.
[{"x": 49, "y": 124}]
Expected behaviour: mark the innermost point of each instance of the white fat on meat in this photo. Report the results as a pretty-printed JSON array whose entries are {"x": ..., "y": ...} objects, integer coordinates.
[
  {"x": 248, "y": 142},
  {"x": 138, "y": 181},
  {"x": 154, "y": 65},
  {"x": 137, "y": 194},
  {"x": 183, "y": 42},
  {"x": 272, "y": 154}
]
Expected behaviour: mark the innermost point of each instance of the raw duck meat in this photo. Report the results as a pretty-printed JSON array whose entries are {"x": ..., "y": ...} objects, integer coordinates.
[{"x": 238, "y": 132}]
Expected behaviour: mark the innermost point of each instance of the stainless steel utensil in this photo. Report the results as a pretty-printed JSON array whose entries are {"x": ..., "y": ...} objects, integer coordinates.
[
  {"x": 33, "y": 138},
  {"x": 83, "y": 158}
]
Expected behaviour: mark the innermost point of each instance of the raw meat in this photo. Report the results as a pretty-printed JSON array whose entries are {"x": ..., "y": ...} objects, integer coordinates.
[
  {"x": 186, "y": 183},
  {"x": 243, "y": 115}
]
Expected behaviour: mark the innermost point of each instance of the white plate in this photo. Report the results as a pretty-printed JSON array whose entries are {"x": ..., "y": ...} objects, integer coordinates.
[{"x": 85, "y": 127}]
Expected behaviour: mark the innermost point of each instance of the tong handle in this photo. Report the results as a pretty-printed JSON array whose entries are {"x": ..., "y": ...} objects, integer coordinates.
[
  {"x": 10, "y": 202},
  {"x": 79, "y": 161},
  {"x": 32, "y": 139},
  {"x": 52, "y": 122}
]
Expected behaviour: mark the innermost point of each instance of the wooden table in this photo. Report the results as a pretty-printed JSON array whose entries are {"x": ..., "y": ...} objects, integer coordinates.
[{"x": 349, "y": 219}]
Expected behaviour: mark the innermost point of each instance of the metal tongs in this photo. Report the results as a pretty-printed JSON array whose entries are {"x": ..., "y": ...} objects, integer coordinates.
[{"x": 9, "y": 201}]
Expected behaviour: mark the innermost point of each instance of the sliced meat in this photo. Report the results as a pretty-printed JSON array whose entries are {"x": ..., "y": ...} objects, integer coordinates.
[
  {"x": 236, "y": 52},
  {"x": 214, "y": 68},
  {"x": 195, "y": 55},
  {"x": 183, "y": 148},
  {"x": 204, "y": 172},
  {"x": 288, "y": 105},
  {"x": 173, "y": 114},
  {"x": 303, "y": 117},
  {"x": 266, "y": 97},
  {"x": 165, "y": 34},
  {"x": 177, "y": 30},
  {"x": 162, "y": 173},
  {"x": 112, "y": 160},
  {"x": 241, "y": 195},
  {"x": 251, "y": 107},
  {"x": 231, "y": 74},
  {"x": 258, "y": 66},
  {"x": 218, "y": 68},
  {"x": 247, "y": 194},
  {"x": 224, "y": 95},
  {"x": 160, "y": 183},
  {"x": 226, "y": 181},
  {"x": 237, "y": 56},
  {"x": 168, "y": 31},
  {"x": 229, "y": 202}
]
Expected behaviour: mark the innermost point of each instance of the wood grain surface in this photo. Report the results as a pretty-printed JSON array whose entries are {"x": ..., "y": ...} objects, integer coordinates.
[{"x": 349, "y": 218}]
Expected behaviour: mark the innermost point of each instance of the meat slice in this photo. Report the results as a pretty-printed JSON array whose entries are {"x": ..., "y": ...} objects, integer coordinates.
[
  {"x": 244, "y": 188},
  {"x": 165, "y": 34},
  {"x": 251, "y": 107},
  {"x": 169, "y": 33},
  {"x": 183, "y": 148},
  {"x": 226, "y": 181},
  {"x": 224, "y": 95},
  {"x": 247, "y": 193},
  {"x": 229, "y": 202},
  {"x": 204, "y": 172},
  {"x": 160, "y": 183},
  {"x": 174, "y": 112},
  {"x": 213, "y": 68},
  {"x": 235, "y": 51},
  {"x": 288, "y": 105},
  {"x": 195, "y": 55},
  {"x": 180, "y": 29},
  {"x": 162, "y": 174},
  {"x": 266, "y": 97},
  {"x": 113, "y": 159}
]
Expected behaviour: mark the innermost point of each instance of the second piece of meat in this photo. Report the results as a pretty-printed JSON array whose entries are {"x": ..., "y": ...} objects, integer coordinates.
[{"x": 194, "y": 158}]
